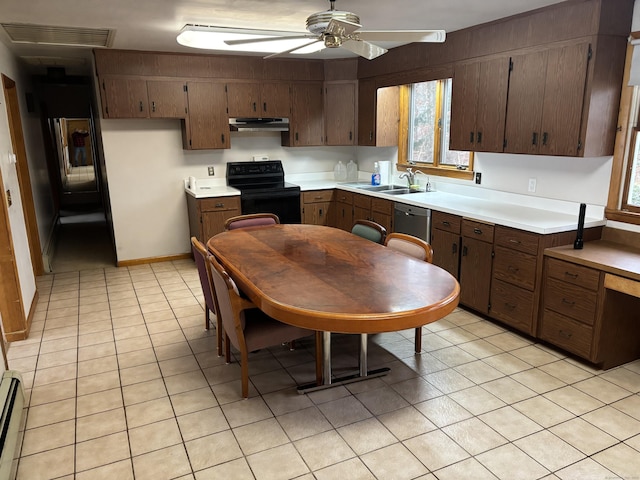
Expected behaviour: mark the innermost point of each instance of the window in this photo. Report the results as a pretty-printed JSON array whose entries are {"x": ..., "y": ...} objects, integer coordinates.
[
  {"x": 424, "y": 134},
  {"x": 631, "y": 191}
]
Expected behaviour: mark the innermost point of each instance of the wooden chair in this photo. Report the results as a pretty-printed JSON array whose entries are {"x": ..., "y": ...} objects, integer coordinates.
[
  {"x": 370, "y": 230},
  {"x": 414, "y": 247},
  {"x": 200, "y": 255},
  {"x": 245, "y": 326},
  {"x": 251, "y": 220}
]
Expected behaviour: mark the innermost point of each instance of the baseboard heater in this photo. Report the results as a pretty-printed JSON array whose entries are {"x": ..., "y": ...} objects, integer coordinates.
[{"x": 12, "y": 405}]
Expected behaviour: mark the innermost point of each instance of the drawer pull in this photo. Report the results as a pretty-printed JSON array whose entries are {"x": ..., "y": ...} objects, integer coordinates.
[
  {"x": 568, "y": 302},
  {"x": 445, "y": 223},
  {"x": 454, "y": 248},
  {"x": 564, "y": 334},
  {"x": 317, "y": 198},
  {"x": 219, "y": 205},
  {"x": 513, "y": 240},
  {"x": 477, "y": 231},
  {"x": 571, "y": 275},
  {"x": 513, "y": 269},
  {"x": 510, "y": 306}
]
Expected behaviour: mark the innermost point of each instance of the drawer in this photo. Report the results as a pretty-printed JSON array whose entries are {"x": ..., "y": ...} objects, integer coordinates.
[
  {"x": 381, "y": 205},
  {"x": 570, "y": 300},
  {"x": 571, "y": 273},
  {"x": 515, "y": 267},
  {"x": 362, "y": 201},
  {"x": 219, "y": 203},
  {"x": 344, "y": 197},
  {"x": 317, "y": 196},
  {"x": 446, "y": 222},
  {"x": 512, "y": 305},
  {"x": 526, "y": 242},
  {"x": 566, "y": 333},
  {"x": 478, "y": 230}
]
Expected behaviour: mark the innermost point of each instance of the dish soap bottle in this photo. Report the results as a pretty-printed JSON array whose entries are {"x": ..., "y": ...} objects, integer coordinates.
[
  {"x": 352, "y": 171},
  {"x": 340, "y": 172},
  {"x": 375, "y": 176}
]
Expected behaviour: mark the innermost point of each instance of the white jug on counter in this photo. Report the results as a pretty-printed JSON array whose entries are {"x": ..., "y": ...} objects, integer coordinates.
[
  {"x": 352, "y": 171},
  {"x": 340, "y": 172}
]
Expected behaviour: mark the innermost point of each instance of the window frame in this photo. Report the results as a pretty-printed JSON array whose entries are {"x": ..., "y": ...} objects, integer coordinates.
[{"x": 404, "y": 126}]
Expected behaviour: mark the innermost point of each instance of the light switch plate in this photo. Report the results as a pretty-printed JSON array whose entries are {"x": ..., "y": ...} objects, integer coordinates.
[
  {"x": 532, "y": 185},
  {"x": 211, "y": 172}
]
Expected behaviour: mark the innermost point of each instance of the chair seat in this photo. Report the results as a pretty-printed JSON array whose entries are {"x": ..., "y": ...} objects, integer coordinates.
[{"x": 262, "y": 331}]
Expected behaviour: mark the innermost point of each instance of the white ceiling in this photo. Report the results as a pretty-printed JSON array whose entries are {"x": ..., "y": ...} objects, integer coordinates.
[{"x": 154, "y": 24}]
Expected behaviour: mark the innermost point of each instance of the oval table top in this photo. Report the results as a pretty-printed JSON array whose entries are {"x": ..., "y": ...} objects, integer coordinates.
[{"x": 324, "y": 278}]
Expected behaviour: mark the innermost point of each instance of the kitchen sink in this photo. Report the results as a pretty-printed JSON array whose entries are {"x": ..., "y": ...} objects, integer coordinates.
[
  {"x": 397, "y": 191},
  {"x": 381, "y": 188}
]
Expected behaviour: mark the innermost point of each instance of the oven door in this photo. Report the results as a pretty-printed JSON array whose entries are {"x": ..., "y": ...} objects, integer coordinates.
[{"x": 285, "y": 204}]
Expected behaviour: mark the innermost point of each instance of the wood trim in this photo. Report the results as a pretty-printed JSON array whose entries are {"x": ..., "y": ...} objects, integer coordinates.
[
  {"x": 620, "y": 216},
  {"x": 439, "y": 171},
  {"x": 144, "y": 261},
  {"x": 621, "y": 284},
  {"x": 403, "y": 124},
  {"x": 24, "y": 179}
]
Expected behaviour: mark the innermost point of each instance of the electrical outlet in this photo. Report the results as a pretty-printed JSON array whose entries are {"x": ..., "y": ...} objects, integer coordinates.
[
  {"x": 532, "y": 185},
  {"x": 260, "y": 158},
  {"x": 211, "y": 172},
  {"x": 478, "y": 178}
]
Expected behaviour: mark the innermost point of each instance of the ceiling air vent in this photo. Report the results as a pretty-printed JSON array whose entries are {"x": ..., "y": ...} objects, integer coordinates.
[{"x": 51, "y": 35}]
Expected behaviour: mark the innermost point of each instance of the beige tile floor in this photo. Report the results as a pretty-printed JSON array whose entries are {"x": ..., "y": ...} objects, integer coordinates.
[{"x": 123, "y": 382}]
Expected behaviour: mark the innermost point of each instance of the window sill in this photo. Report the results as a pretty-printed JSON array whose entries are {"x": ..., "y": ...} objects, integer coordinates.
[
  {"x": 620, "y": 216},
  {"x": 439, "y": 171}
]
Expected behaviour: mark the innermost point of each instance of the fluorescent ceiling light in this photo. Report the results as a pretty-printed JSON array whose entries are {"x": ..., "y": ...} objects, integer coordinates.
[{"x": 213, "y": 38}]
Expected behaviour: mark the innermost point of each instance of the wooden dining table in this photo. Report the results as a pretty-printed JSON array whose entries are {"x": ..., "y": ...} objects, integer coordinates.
[{"x": 329, "y": 280}]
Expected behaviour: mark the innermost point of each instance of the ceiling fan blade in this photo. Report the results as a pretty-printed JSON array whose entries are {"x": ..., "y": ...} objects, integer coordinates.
[
  {"x": 245, "y": 41},
  {"x": 364, "y": 49},
  {"x": 435, "y": 36},
  {"x": 341, "y": 27},
  {"x": 291, "y": 50}
]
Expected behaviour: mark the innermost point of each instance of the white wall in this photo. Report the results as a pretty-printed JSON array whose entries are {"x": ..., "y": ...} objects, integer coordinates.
[{"x": 146, "y": 166}]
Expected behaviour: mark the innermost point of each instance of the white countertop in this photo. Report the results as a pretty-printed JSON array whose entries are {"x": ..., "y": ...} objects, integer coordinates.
[{"x": 516, "y": 215}]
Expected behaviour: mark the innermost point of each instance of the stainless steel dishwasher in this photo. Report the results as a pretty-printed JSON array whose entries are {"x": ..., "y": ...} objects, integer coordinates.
[{"x": 412, "y": 220}]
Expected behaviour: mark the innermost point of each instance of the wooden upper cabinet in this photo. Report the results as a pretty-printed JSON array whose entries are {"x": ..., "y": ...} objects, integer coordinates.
[
  {"x": 207, "y": 126},
  {"x": 307, "y": 120},
  {"x": 167, "y": 99},
  {"x": 138, "y": 98},
  {"x": 378, "y": 114},
  {"x": 339, "y": 113},
  {"x": 478, "y": 105},
  {"x": 546, "y": 99},
  {"x": 259, "y": 99},
  {"x": 124, "y": 98}
]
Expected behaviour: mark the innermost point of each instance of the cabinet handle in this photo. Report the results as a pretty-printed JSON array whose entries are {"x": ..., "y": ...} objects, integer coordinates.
[
  {"x": 254, "y": 106},
  {"x": 264, "y": 107},
  {"x": 545, "y": 137},
  {"x": 510, "y": 306},
  {"x": 470, "y": 137},
  {"x": 534, "y": 138},
  {"x": 571, "y": 275},
  {"x": 320, "y": 212},
  {"x": 296, "y": 136},
  {"x": 513, "y": 269},
  {"x": 141, "y": 106},
  {"x": 513, "y": 240},
  {"x": 568, "y": 302},
  {"x": 219, "y": 205},
  {"x": 446, "y": 224},
  {"x": 222, "y": 137},
  {"x": 454, "y": 248},
  {"x": 477, "y": 231},
  {"x": 371, "y": 135},
  {"x": 153, "y": 106},
  {"x": 350, "y": 135},
  {"x": 479, "y": 136},
  {"x": 464, "y": 251},
  {"x": 317, "y": 198},
  {"x": 564, "y": 334}
]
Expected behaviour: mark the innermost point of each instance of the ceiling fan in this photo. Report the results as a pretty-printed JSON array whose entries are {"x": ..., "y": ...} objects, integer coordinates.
[{"x": 341, "y": 29}]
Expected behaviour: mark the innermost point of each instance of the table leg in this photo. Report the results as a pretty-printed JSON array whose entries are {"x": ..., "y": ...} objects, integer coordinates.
[
  {"x": 326, "y": 358},
  {"x": 363, "y": 355},
  {"x": 319, "y": 358}
]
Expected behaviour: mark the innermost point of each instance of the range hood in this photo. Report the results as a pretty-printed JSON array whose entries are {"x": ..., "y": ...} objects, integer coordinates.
[{"x": 259, "y": 124}]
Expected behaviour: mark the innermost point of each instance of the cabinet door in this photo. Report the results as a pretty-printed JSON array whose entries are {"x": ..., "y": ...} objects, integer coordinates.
[
  {"x": 213, "y": 222},
  {"x": 207, "y": 126},
  {"x": 563, "y": 99},
  {"x": 316, "y": 213},
  {"x": 167, "y": 99},
  {"x": 524, "y": 113},
  {"x": 367, "y": 101},
  {"x": 276, "y": 100},
  {"x": 478, "y": 105},
  {"x": 339, "y": 113},
  {"x": 125, "y": 98},
  {"x": 307, "y": 121},
  {"x": 243, "y": 100},
  {"x": 475, "y": 274},
  {"x": 446, "y": 250},
  {"x": 387, "y": 116},
  {"x": 383, "y": 219},
  {"x": 344, "y": 216}
]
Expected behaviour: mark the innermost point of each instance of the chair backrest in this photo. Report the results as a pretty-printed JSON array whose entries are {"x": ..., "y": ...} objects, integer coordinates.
[
  {"x": 370, "y": 230},
  {"x": 410, "y": 245},
  {"x": 251, "y": 220},
  {"x": 200, "y": 255},
  {"x": 226, "y": 293}
]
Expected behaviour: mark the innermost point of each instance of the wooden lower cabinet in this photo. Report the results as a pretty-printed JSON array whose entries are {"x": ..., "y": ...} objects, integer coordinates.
[
  {"x": 445, "y": 241},
  {"x": 343, "y": 218},
  {"x": 382, "y": 213},
  {"x": 475, "y": 264},
  {"x": 316, "y": 207},
  {"x": 207, "y": 216}
]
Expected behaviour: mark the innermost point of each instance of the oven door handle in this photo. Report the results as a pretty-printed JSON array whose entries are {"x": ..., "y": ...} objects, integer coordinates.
[{"x": 275, "y": 194}]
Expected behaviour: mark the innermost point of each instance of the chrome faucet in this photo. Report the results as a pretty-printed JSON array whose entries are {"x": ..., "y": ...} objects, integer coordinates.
[{"x": 410, "y": 175}]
